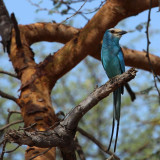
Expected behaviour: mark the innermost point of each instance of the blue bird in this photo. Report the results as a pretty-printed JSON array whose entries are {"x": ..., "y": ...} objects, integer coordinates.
[{"x": 113, "y": 63}]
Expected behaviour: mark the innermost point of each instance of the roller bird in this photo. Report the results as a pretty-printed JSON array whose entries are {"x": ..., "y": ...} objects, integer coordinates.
[{"x": 113, "y": 64}]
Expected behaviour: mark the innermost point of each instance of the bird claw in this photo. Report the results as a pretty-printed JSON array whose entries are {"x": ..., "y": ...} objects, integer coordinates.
[
  {"x": 96, "y": 87},
  {"x": 113, "y": 80}
]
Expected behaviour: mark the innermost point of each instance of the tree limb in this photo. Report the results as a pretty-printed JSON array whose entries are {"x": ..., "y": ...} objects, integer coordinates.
[
  {"x": 7, "y": 96},
  {"x": 53, "y": 32},
  {"x": 88, "y": 40},
  {"x": 94, "y": 140},
  {"x": 10, "y": 124},
  {"x": 5, "y": 27},
  {"x": 62, "y": 135},
  {"x": 8, "y": 73}
]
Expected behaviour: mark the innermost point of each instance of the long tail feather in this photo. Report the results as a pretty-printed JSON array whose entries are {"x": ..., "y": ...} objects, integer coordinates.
[
  {"x": 117, "y": 131},
  {"x": 111, "y": 133},
  {"x": 117, "y": 109}
]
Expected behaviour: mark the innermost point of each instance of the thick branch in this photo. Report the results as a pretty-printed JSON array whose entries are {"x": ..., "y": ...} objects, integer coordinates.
[
  {"x": 53, "y": 32},
  {"x": 78, "y": 112},
  {"x": 138, "y": 59},
  {"x": 5, "y": 26},
  {"x": 63, "y": 135},
  {"x": 88, "y": 40}
]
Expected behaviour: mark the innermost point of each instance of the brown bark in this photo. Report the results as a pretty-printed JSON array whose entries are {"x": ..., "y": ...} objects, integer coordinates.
[
  {"x": 86, "y": 42},
  {"x": 138, "y": 59},
  {"x": 63, "y": 134},
  {"x": 38, "y": 80},
  {"x": 34, "y": 100},
  {"x": 53, "y": 32}
]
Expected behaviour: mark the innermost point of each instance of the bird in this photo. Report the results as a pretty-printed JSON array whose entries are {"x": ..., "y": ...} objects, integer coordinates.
[{"x": 113, "y": 64}]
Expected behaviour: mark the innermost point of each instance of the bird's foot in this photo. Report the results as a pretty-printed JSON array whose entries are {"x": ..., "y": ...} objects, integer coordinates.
[
  {"x": 96, "y": 87},
  {"x": 113, "y": 80}
]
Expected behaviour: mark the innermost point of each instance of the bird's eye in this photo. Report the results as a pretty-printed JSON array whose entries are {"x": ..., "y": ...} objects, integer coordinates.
[{"x": 112, "y": 31}]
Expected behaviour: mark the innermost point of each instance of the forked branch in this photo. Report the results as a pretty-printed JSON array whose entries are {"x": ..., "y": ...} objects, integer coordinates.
[{"x": 62, "y": 135}]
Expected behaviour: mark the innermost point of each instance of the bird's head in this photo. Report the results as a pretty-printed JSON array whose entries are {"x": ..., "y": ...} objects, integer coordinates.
[
  {"x": 117, "y": 33},
  {"x": 112, "y": 36}
]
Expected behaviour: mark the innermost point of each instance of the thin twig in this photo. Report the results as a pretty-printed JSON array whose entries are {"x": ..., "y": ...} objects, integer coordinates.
[
  {"x": 5, "y": 95},
  {"x": 29, "y": 127},
  {"x": 94, "y": 140},
  {"x": 40, "y": 153},
  {"x": 12, "y": 149},
  {"x": 79, "y": 150},
  {"x": 8, "y": 73},
  {"x": 145, "y": 91},
  {"x": 95, "y": 9},
  {"x": 147, "y": 52},
  {"x": 40, "y": 8},
  {"x": 3, "y": 149},
  {"x": 10, "y": 113},
  {"x": 78, "y": 12},
  {"x": 75, "y": 12},
  {"x": 10, "y": 124}
]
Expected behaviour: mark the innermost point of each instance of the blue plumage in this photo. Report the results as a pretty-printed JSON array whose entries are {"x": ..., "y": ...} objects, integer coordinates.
[{"x": 113, "y": 63}]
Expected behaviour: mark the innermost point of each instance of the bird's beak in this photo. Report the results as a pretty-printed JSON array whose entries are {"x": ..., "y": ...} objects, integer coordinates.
[{"x": 122, "y": 32}]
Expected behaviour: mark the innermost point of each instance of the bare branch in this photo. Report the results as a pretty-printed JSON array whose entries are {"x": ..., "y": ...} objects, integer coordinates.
[
  {"x": 5, "y": 27},
  {"x": 147, "y": 52},
  {"x": 63, "y": 134},
  {"x": 100, "y": 93},
  {"x": 94, "y": 140},
  {"x": 18, "y": 38},
  {"x": 10, "y": 113},
  {"x": 12, "y": 149},
  {"x": 79, "y": 150},
  {"x": 8, "y": 73},
  {"x": 10, "y": 124},
  {"x": 40, "y": 153},
  {"x": 40, "y": 8},
  {"x": 27, "y": 128},
  {"x": 3, "y": 149},
  {"x": 75, "y": 12},
  {"x": 7, "y": 96}
]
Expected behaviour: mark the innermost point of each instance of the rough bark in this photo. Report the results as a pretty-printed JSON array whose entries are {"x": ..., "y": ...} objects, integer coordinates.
[
  {"x": 62, "y": 135},
  {"x": 53, "y": 32},
  {"x": 34, "y": 101},
  {"x": 38, "y": 80}
]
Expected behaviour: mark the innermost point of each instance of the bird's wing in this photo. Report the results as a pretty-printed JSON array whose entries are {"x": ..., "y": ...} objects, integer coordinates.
[
  {"x": 122, "y": 65},
  {"x": 121, "y": 60}
]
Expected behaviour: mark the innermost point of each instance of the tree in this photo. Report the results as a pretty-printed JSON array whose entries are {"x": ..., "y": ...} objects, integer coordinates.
[{"x": 38, "y": 80}]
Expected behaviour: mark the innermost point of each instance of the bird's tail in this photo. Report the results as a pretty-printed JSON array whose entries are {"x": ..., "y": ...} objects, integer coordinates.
[{"x": 116, "y": 114}]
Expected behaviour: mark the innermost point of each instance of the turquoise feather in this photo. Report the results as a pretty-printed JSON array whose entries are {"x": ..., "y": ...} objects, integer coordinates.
[{"x": 113, "y": 63}]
